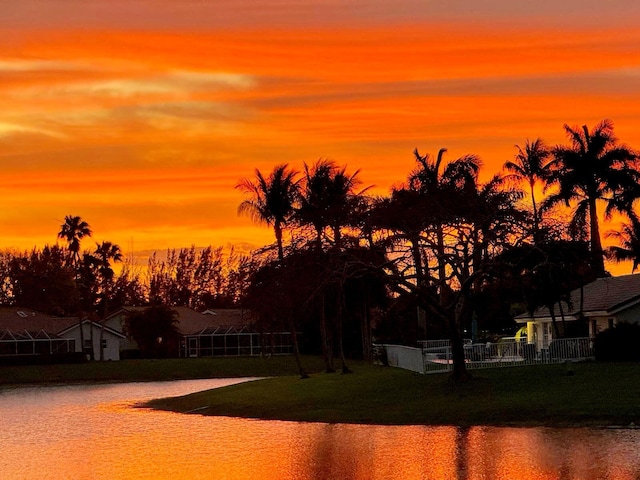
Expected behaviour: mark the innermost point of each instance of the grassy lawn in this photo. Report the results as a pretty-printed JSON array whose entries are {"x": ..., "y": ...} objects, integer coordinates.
[
  {"x": 593, "y": 395},
  {"x": 155, "y": 370}
]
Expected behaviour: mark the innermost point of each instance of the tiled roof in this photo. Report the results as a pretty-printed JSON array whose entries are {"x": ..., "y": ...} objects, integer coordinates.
[
  {"x": 602, "y": 295},
  {"x": 191, "y": 321},
  {"x": 17, "y": 319}
]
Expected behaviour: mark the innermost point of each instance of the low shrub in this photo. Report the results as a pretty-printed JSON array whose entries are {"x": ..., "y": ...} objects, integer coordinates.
[{"x": 619, "y": 343}]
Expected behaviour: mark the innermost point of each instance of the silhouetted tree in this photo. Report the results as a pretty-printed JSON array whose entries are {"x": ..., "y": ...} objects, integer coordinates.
[
  {"x": 594, "y": 168},
  {"x": 105, "y": 253},
  {"x": 530, "y": 165},
  {"x": 155, "y": 330},
  {"x": 628, "y": 238},
  {"x": 272, "y": 199},
  {"x": 73, "y": 230},
  {"x": 42, "y": 280},
  {"x": 272, "y": 202}
]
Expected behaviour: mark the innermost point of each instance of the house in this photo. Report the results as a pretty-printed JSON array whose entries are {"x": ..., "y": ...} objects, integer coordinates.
[
  {"x": 214, "y": 332},
  {"x": 596, "y": 306},
  {"x": 25, "y": 332},
  {"x": 111, "y": 344}
]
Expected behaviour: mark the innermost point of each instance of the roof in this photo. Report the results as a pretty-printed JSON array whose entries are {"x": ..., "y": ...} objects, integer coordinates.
[
  {"x": 191, "y": 322},
  {"x": 604, "y": 296},
  {"x": 17, "y": 319},
  {"x": 97, "y": 325}
]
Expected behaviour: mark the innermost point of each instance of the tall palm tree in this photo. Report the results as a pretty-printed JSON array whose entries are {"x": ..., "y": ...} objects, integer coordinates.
[
  {"x": 272, "y": 199},
  {"x": 342, "y": 201},
  {"x": 530, "y": 164},
  {"x": 272, "y": 202},
  {"x": 327, "y": 201},
  {"x": 313, "y": 208},
  {"x": 105, "y": 253},
  {"x": 594, "y": 168},
  {"x": 73, "y": 230},
  {"x": 629, "y": 243}
]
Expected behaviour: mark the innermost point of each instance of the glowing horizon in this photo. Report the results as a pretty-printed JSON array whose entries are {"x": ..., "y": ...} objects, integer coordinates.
[{"x": 142, "y": 116}]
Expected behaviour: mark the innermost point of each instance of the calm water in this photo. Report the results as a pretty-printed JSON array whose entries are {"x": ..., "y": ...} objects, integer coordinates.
[{"x": 92, "y": 432}]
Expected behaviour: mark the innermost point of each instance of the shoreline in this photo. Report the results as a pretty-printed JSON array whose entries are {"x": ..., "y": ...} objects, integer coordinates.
[
  {"x": 492, "y": 398},
  {"x": 595, "y": 395}
]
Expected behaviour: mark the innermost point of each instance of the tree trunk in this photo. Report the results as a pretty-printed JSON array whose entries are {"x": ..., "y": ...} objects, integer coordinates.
[
  {"x": 327, "y": 351},
  {"x": 93, "y": 347},
  {"x": 339, "y": 329},
  {"x": 417, "y": 260},
  {"x": 597, "y": 254},
  {"x": 536, "y": 225},
  {"x": 442, "y": 272},
  {"x": 81, "y": 335},
  {"x": 296, "y": 349},
  {"x": 562, "y": 319},
  {"x": 277, "y": 228},
  {"x": 553, "y": 320},
  {"x": 337, "y": 237},
  {"x": 459, "y": 373},
  {"x": 365, "y": 326}
]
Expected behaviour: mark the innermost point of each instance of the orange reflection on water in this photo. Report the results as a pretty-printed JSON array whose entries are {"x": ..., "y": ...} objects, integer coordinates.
[{"x": 94, "y": 433}]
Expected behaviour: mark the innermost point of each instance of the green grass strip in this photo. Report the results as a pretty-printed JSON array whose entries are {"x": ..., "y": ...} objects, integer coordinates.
[{"x": 587, "y": 394}]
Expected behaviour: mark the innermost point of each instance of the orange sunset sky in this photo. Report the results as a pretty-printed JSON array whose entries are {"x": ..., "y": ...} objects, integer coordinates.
[{"x": 141, "y": 116}]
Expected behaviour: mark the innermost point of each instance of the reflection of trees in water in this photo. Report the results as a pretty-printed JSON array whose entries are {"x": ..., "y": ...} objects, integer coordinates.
[
  {"x": 353, "y": 452},
  {"x": 462, "y": 460},
  {"x": 337, "y": 452}
]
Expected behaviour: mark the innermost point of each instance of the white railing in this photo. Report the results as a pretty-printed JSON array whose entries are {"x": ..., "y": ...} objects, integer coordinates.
[
  {"x": 435, "y": 355},
  {"x": 408, "y": 358}
]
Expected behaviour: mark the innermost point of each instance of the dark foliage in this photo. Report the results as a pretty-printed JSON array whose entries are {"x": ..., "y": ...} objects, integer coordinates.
[
  {"x": 619, "y": 343},
  {"x": 155, "y": 330}
]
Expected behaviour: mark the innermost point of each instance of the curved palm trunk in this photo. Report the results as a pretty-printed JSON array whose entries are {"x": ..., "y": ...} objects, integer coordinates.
[
  {"x": 554, "y": 321},
  {"x": 597, "y": 254},
  {"x": 277, "y": 228},
  {"x": 81, "y": 335},
  {"x": 536, "y": 223},
  {"x": 102, "y": 325}
]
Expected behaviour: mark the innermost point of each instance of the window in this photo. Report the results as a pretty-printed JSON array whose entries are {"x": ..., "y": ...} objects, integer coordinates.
[{"x": 104, "y": 344}]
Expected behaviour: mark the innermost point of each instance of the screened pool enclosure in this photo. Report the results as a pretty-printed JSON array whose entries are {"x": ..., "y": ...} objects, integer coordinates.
[{"x": 227, "y": 341}]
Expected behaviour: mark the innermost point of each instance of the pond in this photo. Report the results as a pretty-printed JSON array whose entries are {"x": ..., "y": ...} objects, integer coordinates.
[{"x": 94, "y": 432}]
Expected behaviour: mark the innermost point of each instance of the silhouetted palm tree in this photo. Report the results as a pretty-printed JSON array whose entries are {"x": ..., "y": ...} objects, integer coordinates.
[
  {"x": 629, "y": 243},
  {"x": 342, "y": 201},
  {"x": 328, "y": 200},
  {"x": 314, "y": 206},
  {"x": 530, "y": 165},
  {"x": 73, "y": 230},
  {"x": 105, "y": 253},
  {"x": 272, "y": 202},
  {"x": 593, "y": 168},
  {"x": 272, "y": 199}
]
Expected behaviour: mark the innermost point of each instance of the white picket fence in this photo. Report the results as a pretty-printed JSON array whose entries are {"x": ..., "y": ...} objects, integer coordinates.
[{"x": 435, "y": 355}]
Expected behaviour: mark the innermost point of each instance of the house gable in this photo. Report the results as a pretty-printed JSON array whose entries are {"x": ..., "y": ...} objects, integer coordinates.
[{"x": 604, "y": 297}]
